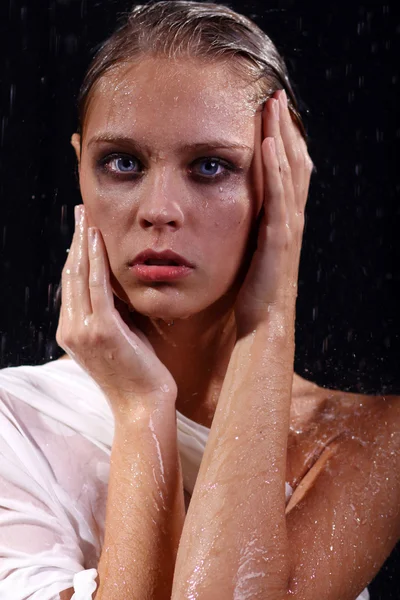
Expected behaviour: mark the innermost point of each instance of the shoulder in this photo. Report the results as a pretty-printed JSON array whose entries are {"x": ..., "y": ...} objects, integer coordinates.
[
  {"x": 322, "y": 417},
  {"x": 344, "y": 466}
]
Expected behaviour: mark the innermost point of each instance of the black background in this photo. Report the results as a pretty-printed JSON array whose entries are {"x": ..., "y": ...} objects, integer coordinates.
[{"x": 344, "y": 65}]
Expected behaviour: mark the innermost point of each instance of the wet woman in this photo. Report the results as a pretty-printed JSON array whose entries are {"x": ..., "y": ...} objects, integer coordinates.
[{"x": 178, "y": 311}]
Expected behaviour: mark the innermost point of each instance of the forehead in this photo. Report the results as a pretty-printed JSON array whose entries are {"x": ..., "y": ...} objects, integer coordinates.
[{"x": 164, "y": 97}]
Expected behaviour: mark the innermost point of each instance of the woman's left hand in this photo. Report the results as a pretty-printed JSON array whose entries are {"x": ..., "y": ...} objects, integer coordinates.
[{"x": 271, "y": 280}]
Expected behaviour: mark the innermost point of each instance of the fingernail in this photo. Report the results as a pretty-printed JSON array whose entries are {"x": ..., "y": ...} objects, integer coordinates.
[{"x": 284, "y": 98}]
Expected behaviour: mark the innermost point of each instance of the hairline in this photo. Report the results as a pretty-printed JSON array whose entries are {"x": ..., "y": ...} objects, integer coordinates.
[{"x": 230, "y": 60}]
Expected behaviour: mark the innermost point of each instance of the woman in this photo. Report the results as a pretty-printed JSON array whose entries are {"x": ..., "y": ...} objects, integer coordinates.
[{"x": 178, "y": 310}]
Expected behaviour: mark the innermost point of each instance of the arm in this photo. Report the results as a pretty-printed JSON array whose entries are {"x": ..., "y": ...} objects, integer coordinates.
[
  {"x": 145, "y": 509},
  {"x": 235, "y": 539},
  {"x": 235, "y": 529},
  {"x": 145, "y": 505},
  {"x": 346, "y": 519}
]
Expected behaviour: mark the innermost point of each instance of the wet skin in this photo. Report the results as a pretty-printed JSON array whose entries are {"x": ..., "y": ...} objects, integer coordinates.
[
  {"x": 174, "y": 197},
  {"x": 165, "y": 203}
]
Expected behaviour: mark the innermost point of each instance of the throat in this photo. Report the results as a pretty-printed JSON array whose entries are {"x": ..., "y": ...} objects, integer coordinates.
[{"x": 199, "y": 406}]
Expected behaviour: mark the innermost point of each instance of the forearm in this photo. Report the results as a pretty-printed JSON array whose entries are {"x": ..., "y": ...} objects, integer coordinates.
[
  {"x": 235, "y": 538},
  {"x": 145, "y": 508}
]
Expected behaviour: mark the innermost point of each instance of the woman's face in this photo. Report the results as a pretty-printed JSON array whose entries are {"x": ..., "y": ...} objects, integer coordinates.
[{"x": 171, "y": 159}]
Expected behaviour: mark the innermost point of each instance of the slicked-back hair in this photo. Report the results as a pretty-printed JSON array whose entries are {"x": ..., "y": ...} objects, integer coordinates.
[{"x": 203, "y": 30}]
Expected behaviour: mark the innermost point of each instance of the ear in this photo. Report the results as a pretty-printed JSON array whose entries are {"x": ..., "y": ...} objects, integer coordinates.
[{"x": 76, "y": 143}]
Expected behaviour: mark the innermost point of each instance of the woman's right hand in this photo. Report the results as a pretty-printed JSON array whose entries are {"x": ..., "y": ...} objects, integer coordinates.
[{"x": 99, "y": 336}]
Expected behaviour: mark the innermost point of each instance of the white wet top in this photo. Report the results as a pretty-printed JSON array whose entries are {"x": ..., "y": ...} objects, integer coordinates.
[{"x": 56, "y": 432}]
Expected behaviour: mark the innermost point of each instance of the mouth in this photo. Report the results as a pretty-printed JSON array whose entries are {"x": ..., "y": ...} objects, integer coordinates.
[
  {"x": 164, "y": 258},
  {"x": 153, "y": 271},
  {"x": 161, "y": 262}
]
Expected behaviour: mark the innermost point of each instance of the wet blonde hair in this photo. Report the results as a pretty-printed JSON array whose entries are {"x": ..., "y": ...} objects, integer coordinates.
[{"x": 203, "y": 30}]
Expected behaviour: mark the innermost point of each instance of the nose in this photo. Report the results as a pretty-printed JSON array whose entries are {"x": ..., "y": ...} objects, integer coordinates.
[{"x": 159, "y": 206}]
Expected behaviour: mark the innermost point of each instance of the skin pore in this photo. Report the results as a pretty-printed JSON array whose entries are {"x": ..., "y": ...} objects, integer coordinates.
[{"x": 144, "y": 187}]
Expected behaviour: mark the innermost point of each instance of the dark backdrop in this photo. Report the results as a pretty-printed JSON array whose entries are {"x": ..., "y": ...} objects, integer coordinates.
[{"x": 344, "y": 65}]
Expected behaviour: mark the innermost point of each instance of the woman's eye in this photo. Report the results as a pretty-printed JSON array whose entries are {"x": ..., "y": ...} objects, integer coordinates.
[
  {"x": 204, "y": 169},
  {"x": 209, "y": 169},
  {"x": 120, "y": 164},
  {"x": 210, "y": 166}
]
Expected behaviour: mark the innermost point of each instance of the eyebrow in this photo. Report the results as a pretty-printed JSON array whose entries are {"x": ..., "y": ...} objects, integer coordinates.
[{"x": 127, "y": 141}]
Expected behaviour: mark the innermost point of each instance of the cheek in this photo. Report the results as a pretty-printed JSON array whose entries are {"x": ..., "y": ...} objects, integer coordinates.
[
  {"x": 229, "y": 227},
  {"x": 101, "y": 206},
  {"x": 234, "y": 205},
  {"x": 232, "y": 215}
]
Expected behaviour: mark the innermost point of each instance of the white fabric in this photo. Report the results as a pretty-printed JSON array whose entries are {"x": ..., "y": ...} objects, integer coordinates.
[
  {"x": 56, "y": 432},
  {"x": 84, "y": 584}
]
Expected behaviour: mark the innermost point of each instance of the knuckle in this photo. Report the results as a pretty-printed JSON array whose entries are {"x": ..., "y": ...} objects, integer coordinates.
[
  {"x": 286, "y": 168},
  {"x": 83, "y": 338},
  {"x": 298, "y": 158},
  {"x": 66, "y": 271},
  {"x": 300, "y": 221},
  {"x": 308, "y": 163},
  {"x": 74, "y": 271},
  {"x": 99, "y": 334},
  {"x": 279, "y": 237},
  {"x": 77, "y": 271},
  {"x": 59, "y": 339},
  {"x": 95, "y": 280}
]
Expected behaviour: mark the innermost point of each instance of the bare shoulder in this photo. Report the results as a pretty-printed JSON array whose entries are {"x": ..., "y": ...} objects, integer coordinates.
[
  {"x": 344, "y": 466},
  {"x": 321, "y": 417}
]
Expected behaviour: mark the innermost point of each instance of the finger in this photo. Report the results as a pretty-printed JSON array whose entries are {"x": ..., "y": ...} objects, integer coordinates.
[
  {"x": 75, "y": 290},
  {"x": 101, "y": 294},
  {"x": 296, "y": 150},
  {"x": 274, "y": 194},
  {"x": 290, "y": 140},
  {"x": 272, "y": 129},
  {"x": 80, "y": 288}
]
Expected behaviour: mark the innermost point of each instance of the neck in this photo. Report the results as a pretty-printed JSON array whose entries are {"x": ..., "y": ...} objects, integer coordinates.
[{"x": 196, "y": 351}]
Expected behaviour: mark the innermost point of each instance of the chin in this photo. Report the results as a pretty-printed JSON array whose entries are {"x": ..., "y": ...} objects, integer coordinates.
[{"x": 164, "y": 308}]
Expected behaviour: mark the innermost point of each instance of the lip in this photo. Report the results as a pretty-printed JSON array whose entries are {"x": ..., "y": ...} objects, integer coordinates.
[
  {"x": 147, "y": 254},
  {"x": 163, "y": 273}
]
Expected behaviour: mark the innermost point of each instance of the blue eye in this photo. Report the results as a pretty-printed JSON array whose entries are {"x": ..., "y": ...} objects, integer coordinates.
[
  {"x": 211, "y": 164},
  {"x": 123, "y": 164},
  {"x": 118, "y": 165}
]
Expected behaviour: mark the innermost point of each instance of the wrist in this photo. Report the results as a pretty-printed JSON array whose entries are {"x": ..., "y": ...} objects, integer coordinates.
[{"x": 136, "y": 411}]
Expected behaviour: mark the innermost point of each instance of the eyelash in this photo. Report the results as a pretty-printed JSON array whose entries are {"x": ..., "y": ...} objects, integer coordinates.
[{"x": 103, "y": 162}]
